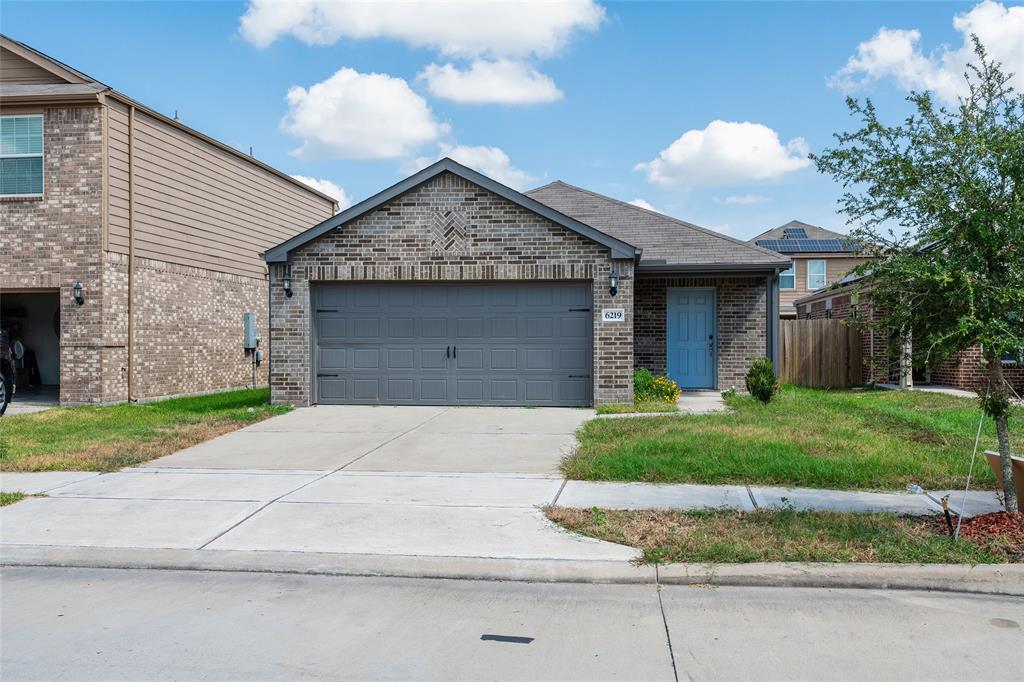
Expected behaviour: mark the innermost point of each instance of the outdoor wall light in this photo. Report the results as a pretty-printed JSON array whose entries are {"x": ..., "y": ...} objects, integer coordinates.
[
  {"x": 76, "y": 293},
  {"x": 288, "y": 285},
  {"x": 613, "y": 283}
]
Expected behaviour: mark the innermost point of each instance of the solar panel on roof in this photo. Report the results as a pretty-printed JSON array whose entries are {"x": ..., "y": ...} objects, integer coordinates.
[
  {"x": 808, "y": 245},
  {"x": 794, "y": 233}
]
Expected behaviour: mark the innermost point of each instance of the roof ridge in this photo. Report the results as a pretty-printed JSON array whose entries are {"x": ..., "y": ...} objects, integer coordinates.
[{"x": 680, "y": 221}]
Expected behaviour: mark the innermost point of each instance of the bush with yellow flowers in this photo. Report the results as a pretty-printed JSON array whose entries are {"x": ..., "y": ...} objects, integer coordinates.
[{"x": 647, "y": 386}]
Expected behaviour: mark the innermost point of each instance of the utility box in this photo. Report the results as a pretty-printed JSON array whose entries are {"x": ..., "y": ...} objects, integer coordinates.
[{"x": 251, "y": 335}]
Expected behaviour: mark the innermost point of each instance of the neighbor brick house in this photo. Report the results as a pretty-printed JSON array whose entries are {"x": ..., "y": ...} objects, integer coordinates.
[
  {"x": 159, "y": 224},
  {"x": 851, "y": 299},
  {"x": 451, "y": 288},
  {"x": 818, "y": 258}
]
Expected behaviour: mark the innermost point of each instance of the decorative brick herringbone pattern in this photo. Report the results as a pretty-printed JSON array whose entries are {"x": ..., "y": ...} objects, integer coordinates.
[{"x": 448, "y": 232}]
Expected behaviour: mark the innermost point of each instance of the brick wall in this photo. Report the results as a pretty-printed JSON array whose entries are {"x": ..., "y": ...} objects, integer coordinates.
[
  {"x": 498, "y": 241},
  {"x": 741, "y": 307},
  {"x": 188, "y": 334},
  {"x": 967, "y": 370},
  {"x": 53, "y": 242}
]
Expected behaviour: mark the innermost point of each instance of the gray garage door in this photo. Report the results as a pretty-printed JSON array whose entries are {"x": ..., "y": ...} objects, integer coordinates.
[{"x": 453, "y": 344}]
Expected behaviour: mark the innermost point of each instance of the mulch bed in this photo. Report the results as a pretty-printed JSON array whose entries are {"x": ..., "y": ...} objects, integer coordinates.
[{"x": 1005, "y": 529}]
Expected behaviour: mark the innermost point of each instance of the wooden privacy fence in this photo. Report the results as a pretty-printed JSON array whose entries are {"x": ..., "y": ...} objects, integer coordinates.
[{"x": 819, "y": 353}]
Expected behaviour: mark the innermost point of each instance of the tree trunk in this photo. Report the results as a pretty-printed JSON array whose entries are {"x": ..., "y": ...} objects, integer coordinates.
[{"x": 997, "y": 389}]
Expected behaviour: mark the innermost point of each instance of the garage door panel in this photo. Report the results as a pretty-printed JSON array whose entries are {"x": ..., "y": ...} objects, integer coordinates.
[
  {"x": 434, "y": 328},
  {"x": 333, "y": 388},
  {"x": 434, "y": 297},
  {"x": 401, "y": 389},
  {"x": 574, "y": 390},
  {"x": 433, "y": 358},
  {"x": 333, "y": 358},
  {"x": 332, "y": 328},
  {"x": 401, "y": 328},
  {"x": 434, "y": 390},
  {"x": 503, "y": 358},
  {"x": 517, "y": 343},
  {"x": 366, "y": 328},
  {"x": 401, "y": 358},
  {"x": 365, "y": 358},
  {"x": 469, "y": 358}
]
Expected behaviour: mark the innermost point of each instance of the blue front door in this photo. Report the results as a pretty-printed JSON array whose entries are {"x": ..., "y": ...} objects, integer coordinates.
[{"x": 691, "y": 337}]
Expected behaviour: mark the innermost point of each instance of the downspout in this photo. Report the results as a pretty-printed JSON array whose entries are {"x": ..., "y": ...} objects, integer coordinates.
[
  {"x": 131, "y": 246},
  {"x": 772, "y": 326}
]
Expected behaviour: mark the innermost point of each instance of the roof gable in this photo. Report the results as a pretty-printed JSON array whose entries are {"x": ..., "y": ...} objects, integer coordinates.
[
  {"x": 667, "y": 242},
  {"x": 812, "y": 232},
  {"x": 31, "y": 66},
  {"x": 619, "y": 249}
]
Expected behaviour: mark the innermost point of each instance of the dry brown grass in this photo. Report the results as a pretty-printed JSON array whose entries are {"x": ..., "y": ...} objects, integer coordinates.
[{"x": 785, "y": 535}]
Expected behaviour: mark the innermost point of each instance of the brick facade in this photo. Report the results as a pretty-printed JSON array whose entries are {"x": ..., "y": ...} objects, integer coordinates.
[
  {"x": 188, "y": 321},
  {"x": 497, "y": 240},
  {"x": 53, "y": 242},
  {"x": 741, "y": 309}
]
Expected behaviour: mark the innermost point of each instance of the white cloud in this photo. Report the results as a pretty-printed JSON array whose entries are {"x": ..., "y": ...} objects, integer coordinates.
[
  {"x": 742, "y": 200},
  {"x": 461, "y": 28},
  {"x": 897, "y": 54},
  {"x": 725, "y": 153},
  {"x": 356, "y": 115},
  {"x": 491, "y": 161},
  {"x": 503, "y": 81},
  {"x": 724, "y": 228},
  {"x": 643, "y": 204},
  {"x": 329, "y": 188}
]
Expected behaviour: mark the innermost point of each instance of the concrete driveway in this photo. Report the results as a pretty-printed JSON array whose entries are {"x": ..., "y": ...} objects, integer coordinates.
[
  {"x": 396, "y": 439},
  {"x": 395, "y": 481}
]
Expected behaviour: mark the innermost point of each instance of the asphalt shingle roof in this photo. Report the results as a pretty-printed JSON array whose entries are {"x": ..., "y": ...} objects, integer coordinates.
[{"x": 665, "y": 241}]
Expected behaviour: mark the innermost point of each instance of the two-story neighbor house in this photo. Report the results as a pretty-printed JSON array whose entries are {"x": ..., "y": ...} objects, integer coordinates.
[
  {"x": 451, "y": 288},
  {"x": 129, "y": 242},
  {"x": 818, "y": 257}
]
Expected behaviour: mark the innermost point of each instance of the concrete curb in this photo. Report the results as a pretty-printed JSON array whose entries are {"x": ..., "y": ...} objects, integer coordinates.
[{"x": 993, "y": 579}]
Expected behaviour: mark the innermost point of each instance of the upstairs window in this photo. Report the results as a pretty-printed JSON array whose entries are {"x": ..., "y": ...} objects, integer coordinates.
[
  {"x": 21, "y": 156},
  {"x": 815, "y": 274},
  {"x": 787, "y": 278}
]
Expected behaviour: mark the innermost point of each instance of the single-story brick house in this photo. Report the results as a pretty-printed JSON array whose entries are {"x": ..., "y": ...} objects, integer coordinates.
[
  {"x": 849, "y": 298},
  {"x": 451, "y": 288}
]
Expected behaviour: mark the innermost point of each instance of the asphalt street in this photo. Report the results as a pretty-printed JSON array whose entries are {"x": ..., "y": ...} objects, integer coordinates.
[{"x": 109, "y": 624}]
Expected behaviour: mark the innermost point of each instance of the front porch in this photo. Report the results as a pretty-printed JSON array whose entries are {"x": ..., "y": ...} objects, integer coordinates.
[{"x": 702, "y": 332}]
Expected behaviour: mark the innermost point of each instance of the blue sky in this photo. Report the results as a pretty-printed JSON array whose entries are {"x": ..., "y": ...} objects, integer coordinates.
[{"x": 598, "y": 90}]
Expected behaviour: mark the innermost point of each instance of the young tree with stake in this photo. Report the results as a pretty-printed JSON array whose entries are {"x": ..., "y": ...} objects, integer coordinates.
[{"x": 953, "y": 180}]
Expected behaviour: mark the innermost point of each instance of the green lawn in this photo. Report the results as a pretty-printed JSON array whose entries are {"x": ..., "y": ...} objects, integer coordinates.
[
  {"x": 784, "y": 535},
  {"x": 10, "y": 498},
  {"x": 868, "y": 440},
  {"x": 108, "y": 438},
  {"x": 637, "y": 407}
]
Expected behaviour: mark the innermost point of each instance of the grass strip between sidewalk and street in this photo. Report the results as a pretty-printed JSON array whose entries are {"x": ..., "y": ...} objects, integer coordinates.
[
  {"x": 108, "y": 438},
  {"x": 724, "y": 536},
  {"x": 845, "y": 440}
]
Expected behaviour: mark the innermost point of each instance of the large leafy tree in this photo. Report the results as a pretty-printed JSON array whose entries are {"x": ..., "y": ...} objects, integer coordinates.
[{"x": 951, "y": 276}]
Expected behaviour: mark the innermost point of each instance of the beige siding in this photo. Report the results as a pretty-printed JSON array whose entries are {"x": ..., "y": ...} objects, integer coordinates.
[
  {"x": 197, "y": 205},
  {"x": 835, "y": 267},
  {"x": 15, "y": 69}
]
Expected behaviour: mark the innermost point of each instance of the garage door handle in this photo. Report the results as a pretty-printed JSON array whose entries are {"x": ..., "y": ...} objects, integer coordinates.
[
  {"x": 455, "y": 351},
  {"x": 447, "y": 352},
  {"x": 579, "y": 310},
  {"x": 327, "y": 310},
  {"x": 320, "y": 376}
]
